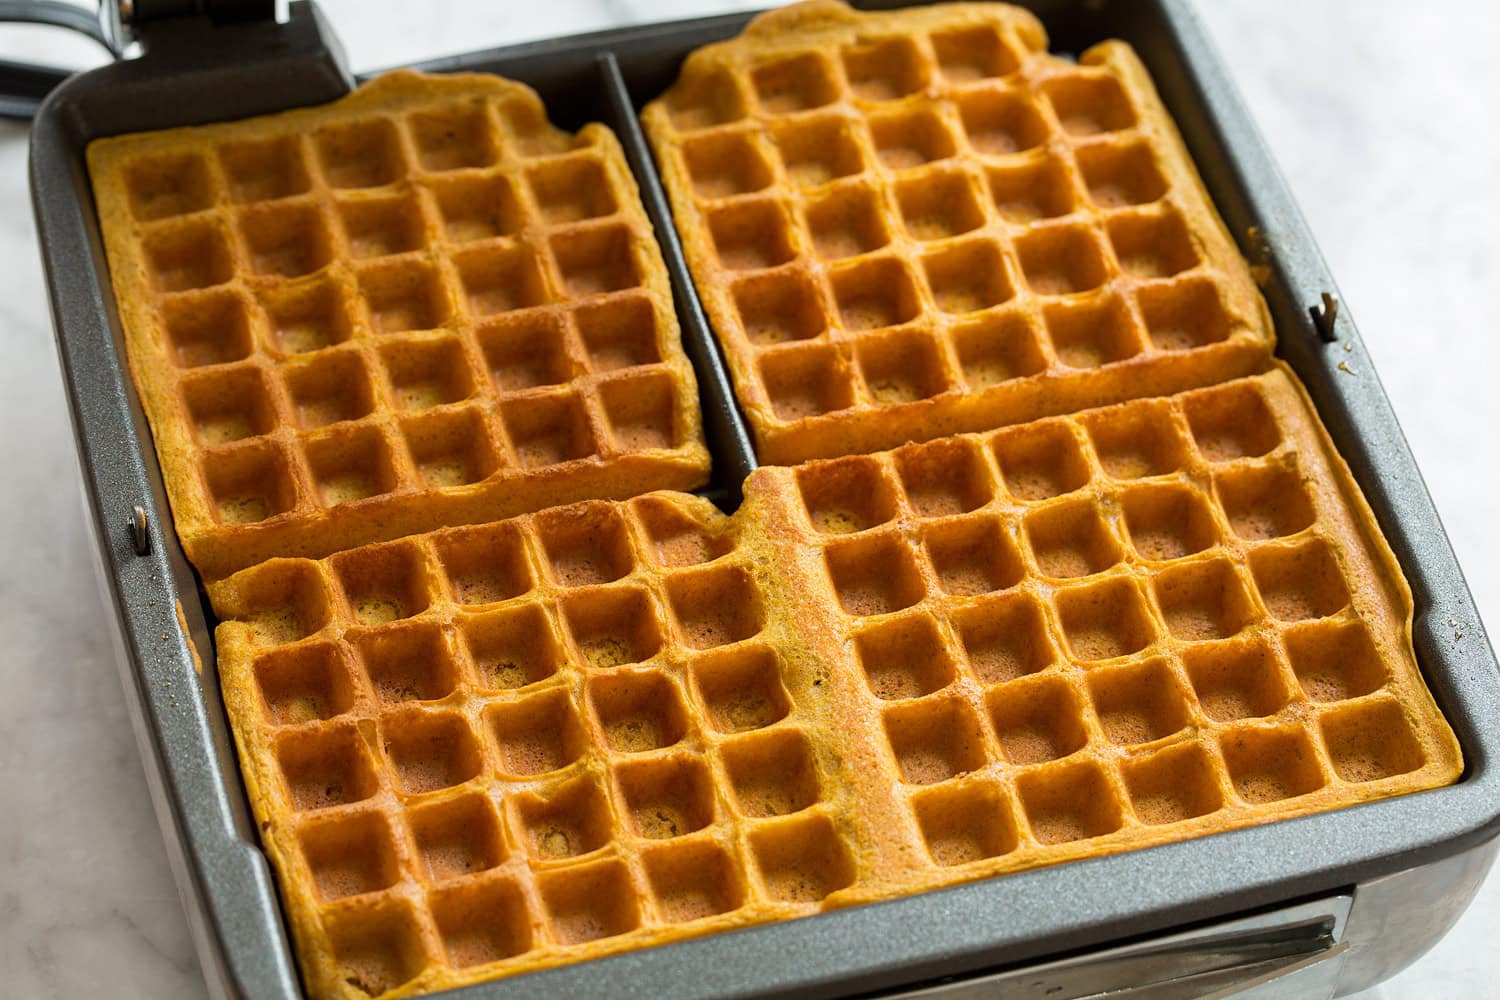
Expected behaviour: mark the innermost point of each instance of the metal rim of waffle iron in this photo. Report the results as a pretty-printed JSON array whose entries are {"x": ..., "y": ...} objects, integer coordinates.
[{"x": 234, "y": 910}]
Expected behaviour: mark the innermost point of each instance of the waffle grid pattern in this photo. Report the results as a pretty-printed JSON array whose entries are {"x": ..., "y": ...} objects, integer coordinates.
[
  {"x": 1130, "y": 625},
  {"x": 513, "y": 740},
  {"x": 916, "y": 223},
  {"x": 419, "y": 305}
]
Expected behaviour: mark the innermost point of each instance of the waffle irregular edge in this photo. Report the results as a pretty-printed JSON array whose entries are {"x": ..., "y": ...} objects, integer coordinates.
[
  {"x": 493, "y": 749},
  {"x": 418, "y": 305},
  {"x": 914, "y": 223}
]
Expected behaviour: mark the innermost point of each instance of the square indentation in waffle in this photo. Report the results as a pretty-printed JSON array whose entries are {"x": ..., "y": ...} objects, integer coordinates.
[
  {"x": 1004, "y": 638},
  {"x": 208, "y": 329},
  {"x": 1139, "y": 441},
  {"x": 477, "y": 208},
  {"x": 1264, "y": 501},
  {"x": 935, "y": 739},
  {"x": 741, "y": 688},
  {"x": 613, "y": 626},
  {"x": 403, "y": 295},
  {"x": 884, "y": 69},
  {"x": 361, "y": 154},
  {"x": 549, "y": 430},
  {"x": 966, "y": 822},
  {"x": 329, "y": 389},
  {"x": 967, "y": 277},
  {"x": 874, "y": 293},
  {"x": 1240, "y": 679},
  {"x": 409, "y": 663},
  {"x": 1153, "y": 245},
  {"x": 379, "y": 227},
  {"x": 944, "y": 477},
  {"x": 383, "y": 583},
  {"x": 1231, "y": 422},
  {"x": 304, "y": 684},
  {"x": 1371, "y": 740},
  {"x": 846, "y": 495},
  {"x": 619, "y": 332},
  {"x": 1335, "y": 662},
  {"x": 778, "y": 307},
  {"x": 1167, "y": 521},
  {"x": 596, "y": 259},
  {"x": 452, "y": 138},
  {"x": 229, "y": 405},
  {"x": 285, "y": 240},
  {"x": 350, "y": 854},
  {"x": 429, "y": 751},
  {"x": 675, "y": 538},
  {"x": 1037, "y": 719},
  {"x": 456, "y": 837},
  {"x": 378, "y": 947},
  {"x": 638, "y": 710},
  {"x": 283, "y": 603},
  {"x": 818, "y": 150},
  {"x": 573, "y": 820},
  {"x": 264, "y": 169},
  {"x": 801, "y": 860},
  {"x": 482, "y": 922},
  {"x": 1270, "y": 763},
  {"x": 1032, "y": 189},
  {"x": 571, "y": 188},
  {"x": 974, "y": 555},
  {"x": 794, "y": 83},
  {"x": 536, "y": 735},
  {"x": 968, "y": 54},
  {"x": 1088, "y": 103},
  {"x": 1119, "y": 175},
  {"x": 641, "y": 410},
  {"x": 1092, "y": 333},
  {"x": 726, "y": 163},
  {"x": 1203, "y": 599},
  {"x": 1185, "y": 315},
  {"x": 1174, "y": 784},
  {"x": 902, "y": 366},
  {"x": 938, "y": 204},
  {"x": 904, "y": 658},
  {"x": 771, "y": 773},
  {"x": 498, "y": 279},
  {"x": 994, "y": 349},
  {"x": 513, "y": 648},
  {"x": 1299, "y": 580},
  {"x": 1069, "y": 801},
  {"x": 327, "y": 767},
  {"x": 590, "y": 902},
  {"x": 250, "y": 483},
  {"x": 999, "y": 121},
  {"x": 845, "y": 221},
  {"x": 1041, "y": 461},
  {"x": 712, "y": 99},
  {"x": 751, "y": 234},
  {"x": 874, "y": 575},
  {"x": 1105, "y": 619},
  {"x": 666, "y": 797},
  {"x": 693, "y": 880},
  {"x": 715, "y": 605},
  {"x": 307, "y": 316},
  {"x": 1071, "y": 539},
  {"x": 1138, "y": 703},
  {"x": 585, "y": 545},
  {"x": 526, "y": 350},
  {"x": 350, "y": 464},
  {"x": 1062, "y": 259},
  {"x": 807, "y": 381},
  {"x": 173, "y": 184},
  {"x": 484, "y": 564},
  {"x": 907, "y": 139},
  {"x": 451, "y": 449}
]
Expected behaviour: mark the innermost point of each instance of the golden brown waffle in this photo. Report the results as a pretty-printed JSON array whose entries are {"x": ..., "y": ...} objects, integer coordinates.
[
  {"x": 912, "y": 223},
  {"x": 489, "y": 750},
  {"x": 418, "y": 305}
]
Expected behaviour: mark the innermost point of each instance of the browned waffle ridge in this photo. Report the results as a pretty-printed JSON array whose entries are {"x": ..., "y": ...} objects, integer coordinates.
[
  {"x": 493, "y": 749},
  {"x": 917, "y": 222},
  {"x": 418, "y": 305}
]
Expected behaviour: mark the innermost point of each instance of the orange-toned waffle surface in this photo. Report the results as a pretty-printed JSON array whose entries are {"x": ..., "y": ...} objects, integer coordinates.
[
  {"x": 908, "y": 224},
  {"x": 492, "y": 749},
  {"x": 418, "y": 305}
]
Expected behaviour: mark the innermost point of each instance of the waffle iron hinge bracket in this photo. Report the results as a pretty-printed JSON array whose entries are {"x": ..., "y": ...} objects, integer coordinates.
[
  {"x": 124, "y": 19},
  {"x": 1325, "y": 315}
]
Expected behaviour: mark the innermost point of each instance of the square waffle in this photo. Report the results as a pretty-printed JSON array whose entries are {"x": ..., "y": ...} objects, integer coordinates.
[
  {"x": 492, "y": 749},
  {"x": 913, "y": 223},
  {"x": 418, "y": 305}
]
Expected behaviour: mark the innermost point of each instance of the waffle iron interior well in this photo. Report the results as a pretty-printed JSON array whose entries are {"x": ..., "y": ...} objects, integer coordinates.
[{"x": 1317, "y": 906}]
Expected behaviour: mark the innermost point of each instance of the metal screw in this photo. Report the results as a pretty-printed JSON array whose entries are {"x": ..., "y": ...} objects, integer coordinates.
[
  {"x": 1325, "y": 315},
  {"x": 140, "y": 530}
]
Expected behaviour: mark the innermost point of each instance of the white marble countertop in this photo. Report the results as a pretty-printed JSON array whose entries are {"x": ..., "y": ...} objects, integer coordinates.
[{"x": 1378, "y": 112}]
